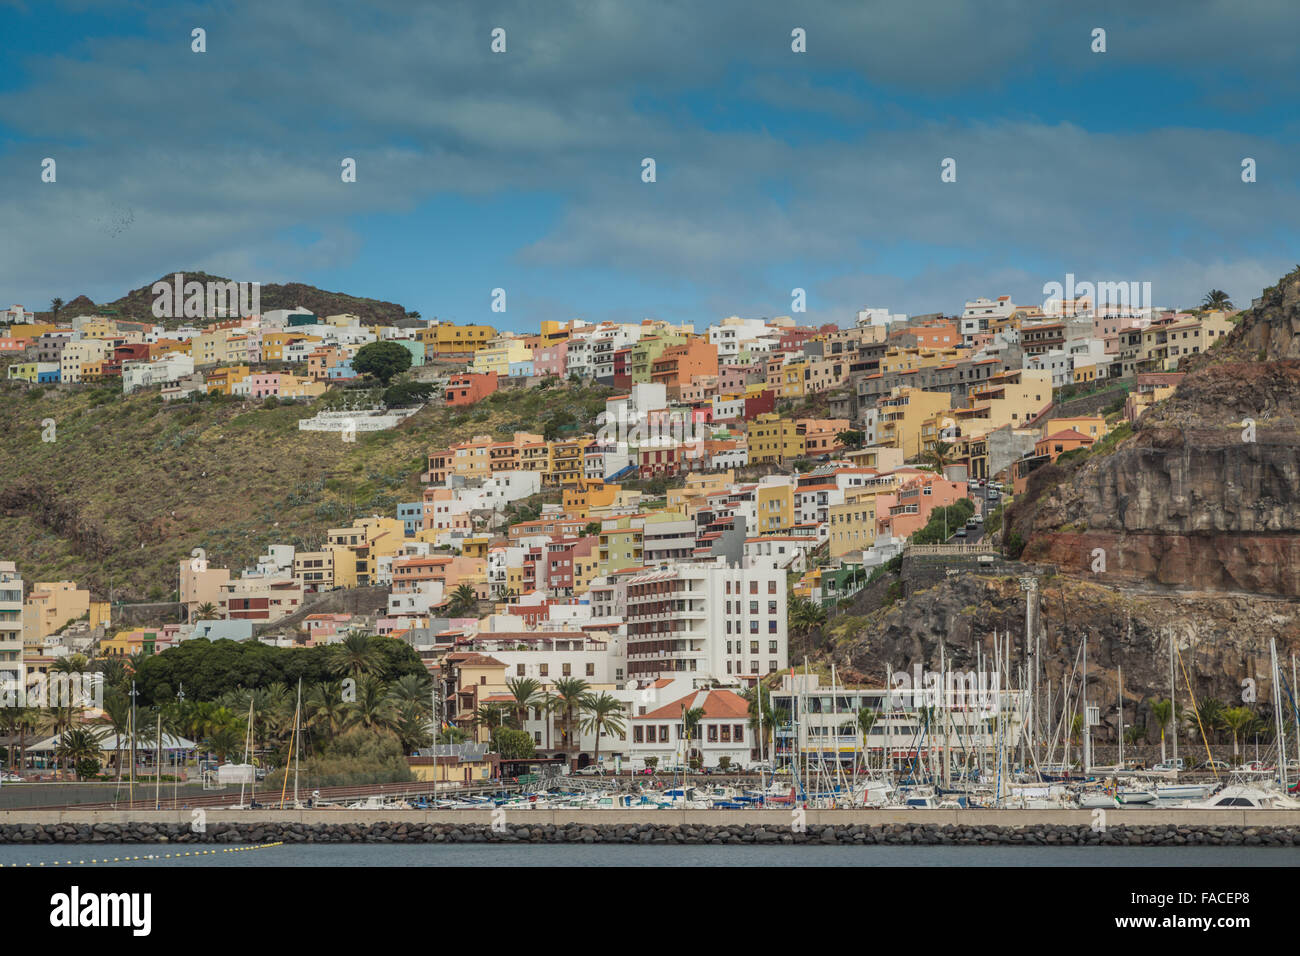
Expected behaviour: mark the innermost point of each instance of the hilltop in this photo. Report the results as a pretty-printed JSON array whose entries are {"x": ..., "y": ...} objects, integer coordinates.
[
  {"x": 138, "y": 303},
  {"x": 131, "y": 484}
]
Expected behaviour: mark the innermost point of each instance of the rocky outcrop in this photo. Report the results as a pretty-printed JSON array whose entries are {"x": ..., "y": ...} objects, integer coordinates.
[
  {"x": 1223, "y": 639},
  {"x": 1206, "y": 493}
]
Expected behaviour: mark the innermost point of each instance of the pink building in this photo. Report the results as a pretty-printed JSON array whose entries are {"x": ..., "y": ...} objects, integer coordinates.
[
  {"x": 908, "y": 510},
  {"x": 551, "y": 360},
  {"x": 264, "y": 385}
]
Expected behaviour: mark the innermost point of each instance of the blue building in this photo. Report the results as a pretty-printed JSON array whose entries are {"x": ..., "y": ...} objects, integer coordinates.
[{"x": 412, "y": 517}]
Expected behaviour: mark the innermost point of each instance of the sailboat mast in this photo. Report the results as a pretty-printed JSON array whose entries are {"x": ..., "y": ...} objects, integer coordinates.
[
  {"x": 297, "y": 752},
  {"x": 1173, "y": 697}
]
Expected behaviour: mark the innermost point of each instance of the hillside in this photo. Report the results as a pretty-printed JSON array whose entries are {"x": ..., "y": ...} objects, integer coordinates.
[
  {"x": 131, "y": 485},
  {"x": 1196, "y": 497},
  {"x": 138, "y": 303}
]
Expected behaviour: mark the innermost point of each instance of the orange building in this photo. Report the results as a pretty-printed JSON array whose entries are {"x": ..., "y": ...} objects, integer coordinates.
[
  {"x": 470, "y": 387},
  {"x": 1058, "y": 443},
  {"x": 677, "y": 365}
]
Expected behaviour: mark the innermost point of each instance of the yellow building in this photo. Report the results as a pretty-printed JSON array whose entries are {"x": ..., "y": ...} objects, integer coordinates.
[
  {"x": 852, "y": 525},
  {"x": 50, "y": 606},
  {"x": 621, "y": 543},
  {"x": 498, "y": 354},
  {"x": 696, "y": 488},
  {"x": 567, "y": 461},
  {"x": 447, "y": 339},
  {"x": 334, "y": 567},
  {"x": 774, "y": 506},
  {"x": 584, "y": 495},
  {"x": 1092, "y": 425},
  {"x": 901, "y": 414},
  {"x": 774, "y": 440},
  {"x": 368, "y": 539},
  {"x": 222, "y": 380}
]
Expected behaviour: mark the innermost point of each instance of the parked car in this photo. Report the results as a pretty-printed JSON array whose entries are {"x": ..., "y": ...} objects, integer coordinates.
[
  {"x": 960, "y": 533},
  {"x": 978, "y": 519},
  {"x": 1167, "y": 765},
  {"x": 591, "y": 770},
  {"x": 1214, "y": 765},
  {"x": 971, "y": 523},
  {"x": 7, "y": 777},
  {"x": 646, "y": 772}
]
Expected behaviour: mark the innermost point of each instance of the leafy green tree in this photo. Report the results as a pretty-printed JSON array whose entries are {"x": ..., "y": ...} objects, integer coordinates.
[
  {"x": 381, "y": 360},
  {"x": 851, "y": 438},
  {"x": 512, "y": 744}
]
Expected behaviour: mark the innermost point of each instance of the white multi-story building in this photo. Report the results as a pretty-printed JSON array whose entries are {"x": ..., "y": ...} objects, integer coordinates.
[
  {"x": 11, "y": 630},
  {"x": 980, "y": 312},
  {"x": 731, "y": 335},
  {"x": 706, "y": 619}
]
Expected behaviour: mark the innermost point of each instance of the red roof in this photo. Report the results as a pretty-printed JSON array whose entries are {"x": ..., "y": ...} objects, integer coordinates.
[{"x": 716, "y": 704}]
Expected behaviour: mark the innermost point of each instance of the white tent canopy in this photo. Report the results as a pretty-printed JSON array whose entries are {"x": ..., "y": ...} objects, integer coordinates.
[{"x": 112, "y": 743}]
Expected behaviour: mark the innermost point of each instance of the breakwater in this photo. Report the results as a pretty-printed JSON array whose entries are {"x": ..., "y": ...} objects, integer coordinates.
[{"x": 825, "y": 827}]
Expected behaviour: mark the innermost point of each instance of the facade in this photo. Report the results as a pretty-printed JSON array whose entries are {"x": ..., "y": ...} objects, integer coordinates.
[{"x": 706, "y": 620}]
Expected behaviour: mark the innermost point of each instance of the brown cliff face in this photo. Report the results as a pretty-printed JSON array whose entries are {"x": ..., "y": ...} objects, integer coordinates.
[
  {"x": 1223, "y": 639},
  {"x": 1206, "y": 494}
]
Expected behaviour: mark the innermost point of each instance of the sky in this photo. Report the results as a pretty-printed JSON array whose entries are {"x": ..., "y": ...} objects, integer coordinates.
[{"x": 775, "y": 170}]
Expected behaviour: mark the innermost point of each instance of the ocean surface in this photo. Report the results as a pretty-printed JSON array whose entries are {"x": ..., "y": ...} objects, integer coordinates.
[{"x": 459, "y": 854}]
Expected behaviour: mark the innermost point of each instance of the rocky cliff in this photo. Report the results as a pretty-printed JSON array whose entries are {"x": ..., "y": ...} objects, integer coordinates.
[
  {"x": 1222, "y": 638},
  {"x": 1206, "y": 493}
]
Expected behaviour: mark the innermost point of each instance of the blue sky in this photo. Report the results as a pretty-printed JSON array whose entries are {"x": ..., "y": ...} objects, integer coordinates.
[{"x": 775, "y": 169}]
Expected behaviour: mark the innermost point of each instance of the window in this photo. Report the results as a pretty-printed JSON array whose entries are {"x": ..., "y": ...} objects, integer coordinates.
[
  {"x": 544, "y": 669},
  {"x": 713, "y": 733},
  {"x": 771, "y": 587},
  {"x": 753, "y": 647},
  {"x": 663, "y": 733},
  {"x": 637, "y": 735}
]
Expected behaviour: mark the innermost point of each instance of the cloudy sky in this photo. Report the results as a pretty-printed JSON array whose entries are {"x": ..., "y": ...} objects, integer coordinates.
[{"x": 775, "y": 170}]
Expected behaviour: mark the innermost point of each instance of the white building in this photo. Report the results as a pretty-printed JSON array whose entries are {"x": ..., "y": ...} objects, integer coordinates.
[
  {"x": 723, "y": 732},
  {"x": 707, "y": 620},
  {"x": 980, "y": 312},
  {"x": 11, "y": 628}
]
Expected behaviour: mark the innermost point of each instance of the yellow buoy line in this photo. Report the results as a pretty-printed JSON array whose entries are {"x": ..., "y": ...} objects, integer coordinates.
[{"x": 154, "y": 856}]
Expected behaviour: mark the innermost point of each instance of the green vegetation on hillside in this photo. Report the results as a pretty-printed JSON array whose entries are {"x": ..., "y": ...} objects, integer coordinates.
[{"x": 131, "y": 484}]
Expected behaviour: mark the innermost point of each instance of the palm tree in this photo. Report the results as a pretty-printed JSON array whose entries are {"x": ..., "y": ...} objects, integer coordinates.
[
  {"x": 77, "y": 746},
  {"x": 1237, "y": 719},
  {"x": 463, "y": 600},
  {"x": 325, "y": 707},
  {"x": 117, "y": 717},
  {"x": 56, "y": 306},
  {"x": 413, "y": 689},
  {"x": 356, "y": 655},
  {"x": 1162, "y": 709},
  {"x": 603, "y": 713},
  {"x": 803, "y": 616},
  {"x": 939, "y": 455},
  {"x": 1216, "y": 300},
  {"x": 690, "y": 724},
  {"x": 205, "y": 611},
  {"x": 373, "y": 708},
  {"x": 1208, "y": 717},
  {"x": 548, "y": 704},
  {"x": 569, "y": 692},
  {"x": 525, "y": 691},
  {"x": 490, "y": 717}
]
